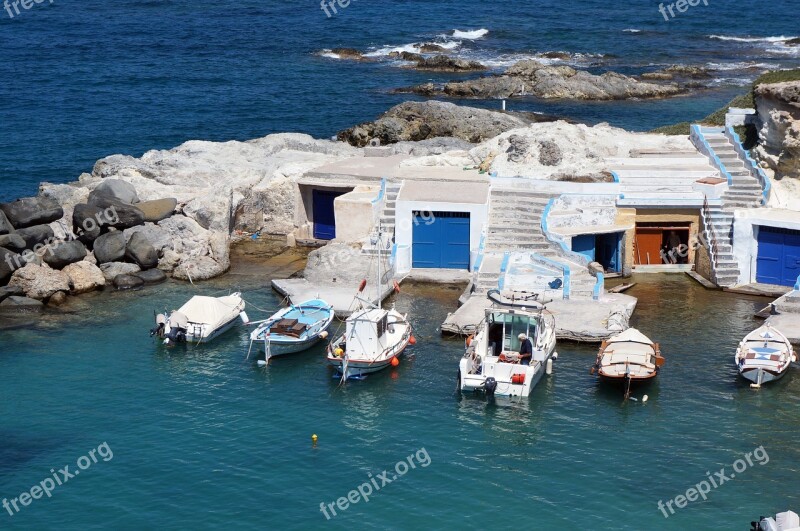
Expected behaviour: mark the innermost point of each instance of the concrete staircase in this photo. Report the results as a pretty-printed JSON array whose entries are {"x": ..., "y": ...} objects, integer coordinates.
[
  {"x": 515, "y": 225},
  {"x": 387, "y": 220},
  {"x": 744, "y": 192}
]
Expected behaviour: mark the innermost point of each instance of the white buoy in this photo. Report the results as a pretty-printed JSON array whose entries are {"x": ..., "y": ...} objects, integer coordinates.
[
  {"x": 645, "y": 398},
  {"x": 262, "y": 363},
  {"x": 504, "y": 105},
  {"x": 549, "y": 368},
  {"x": 555, "y": 355}
]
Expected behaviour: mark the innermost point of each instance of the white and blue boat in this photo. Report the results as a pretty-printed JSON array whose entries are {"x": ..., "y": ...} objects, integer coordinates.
[{"x": 293, "y": 329}]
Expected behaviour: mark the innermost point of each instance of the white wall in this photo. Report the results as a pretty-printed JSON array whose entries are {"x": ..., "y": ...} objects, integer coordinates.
[
  {"x": 404, "y": 223},
  {"x": 745, "y": 235}
]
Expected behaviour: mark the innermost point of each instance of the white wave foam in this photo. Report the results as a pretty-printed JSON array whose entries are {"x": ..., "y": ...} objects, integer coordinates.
[
  {"x": 751, "y": 39},
  {"x": 470, "y": 35},
  {"x": 414, "y": 47},
  {"x": 329, "y": 54},
  {"x": 725, "y": 67},
  {"x": 631, "y": 30}
]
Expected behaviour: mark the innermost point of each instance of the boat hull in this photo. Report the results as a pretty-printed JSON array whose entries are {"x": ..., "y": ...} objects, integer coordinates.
[
  {"x": 278, "y": 348},
  {"x": 503, "y": 373},
  {"x": 766, "y": 376}
]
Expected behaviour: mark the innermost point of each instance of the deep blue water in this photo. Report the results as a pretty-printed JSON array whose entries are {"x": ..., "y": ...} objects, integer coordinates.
[
  {"x": 82, "y": 79},
  {"x": 202, "y": 439}
]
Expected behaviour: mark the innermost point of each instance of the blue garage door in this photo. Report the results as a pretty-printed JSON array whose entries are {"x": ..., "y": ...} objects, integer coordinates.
[
  {"x": 778, "y": 256},
  {"x": 441, "y": 240},
  {"x": 324, "y": 217}
]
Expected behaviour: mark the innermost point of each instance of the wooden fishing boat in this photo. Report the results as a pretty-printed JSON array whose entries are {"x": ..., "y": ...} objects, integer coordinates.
[
  {"x": 628, "y": 358},
  {"x": 764, "y": 356},
  {"x": 293, "y": 329}
]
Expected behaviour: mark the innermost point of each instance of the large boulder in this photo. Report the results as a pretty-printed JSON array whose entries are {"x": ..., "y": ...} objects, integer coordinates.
[
  {"x": 141, "y": 251},
  {"x": 158, "y": 209},
  {"x": 30, "y": 211},
  {"x": 110, "y": 247},
  {"x": 85, "y": 222},
  {"x": 13, "y": 242},
  {"x": 115, "y": 189},
  {"x": 40, "y": 282},
  {"x": 151, "y": 276},
  {"x": 125, "y": 282},
  {"x": 123, "y": 215},
  {"x": 114, "y": 269},
  {"x": 9, "y": 262},
  {"x": 5, "y": 226},
  {"x": 61, "y": 254},
  {"x": 199, "y": 268},
  {"x": 84, "y": 277},
  {"x": 36, "y": 235}
]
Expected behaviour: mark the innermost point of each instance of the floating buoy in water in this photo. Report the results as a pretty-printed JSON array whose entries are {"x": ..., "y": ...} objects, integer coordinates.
[
  {"x": 314, "y": 439},
  {"x": 412, "y": 340},
  {"x": 645, "y": 398},
  {"x": 362, "y": 286},
  {"x": 395, "y": 362},
  {"x": 396, "y": 287}
]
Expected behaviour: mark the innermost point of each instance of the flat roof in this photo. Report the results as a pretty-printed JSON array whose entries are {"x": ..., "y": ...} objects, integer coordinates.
[
  {"x": 374, "y": 167},
  {"x": 445, "y": 192}
]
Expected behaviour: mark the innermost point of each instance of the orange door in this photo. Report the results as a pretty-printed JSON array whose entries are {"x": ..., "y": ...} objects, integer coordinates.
[{"x": 647, "y": 247}]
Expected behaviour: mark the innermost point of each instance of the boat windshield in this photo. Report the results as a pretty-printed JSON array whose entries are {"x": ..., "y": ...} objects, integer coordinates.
[{"x": 505, "y": 329}]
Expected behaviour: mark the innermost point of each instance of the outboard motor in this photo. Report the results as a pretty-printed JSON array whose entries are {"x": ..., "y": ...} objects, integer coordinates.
[
  {"x": 490, "y": 386},
  {"x": 178, "y": 325},
  {"x": 161, "y": 323}
]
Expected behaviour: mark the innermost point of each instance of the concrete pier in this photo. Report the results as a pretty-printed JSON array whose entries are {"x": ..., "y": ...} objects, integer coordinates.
[
  {"x": 576, "y": 320},
  {"x": 342, "y": 298},
  {"x": 786, "y": 316}
]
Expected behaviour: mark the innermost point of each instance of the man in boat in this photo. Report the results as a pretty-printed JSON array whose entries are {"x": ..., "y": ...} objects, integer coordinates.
[{"x": 525, "y": 350}]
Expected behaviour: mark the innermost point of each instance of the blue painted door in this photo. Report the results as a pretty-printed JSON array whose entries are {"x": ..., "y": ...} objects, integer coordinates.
[
  {"x": 324, "y": 214},
  {"x": 585, "y": 245},
  {"x": 778, "y": 256},
  {"x": 441, "y": 240}
]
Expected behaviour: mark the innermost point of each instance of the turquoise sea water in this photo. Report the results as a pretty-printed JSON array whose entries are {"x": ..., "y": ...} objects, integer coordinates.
[{"x": 202, "y": 439}]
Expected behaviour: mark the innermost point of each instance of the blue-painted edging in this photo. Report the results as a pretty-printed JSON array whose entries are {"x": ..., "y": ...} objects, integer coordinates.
[
  {"x": 382, "y": 193},
  {"x": 766, "y": 185},
  {"x": 393, "y": 256},
  {"x": 503, "y": 268},
  {"x": 697, "y": 133},
  {"x": 479, "y": 260},
  {"x": 599, "y": 285},
  {"x": 615, "y": 175},
  {"x": 797, "y": 285},
  {"x": 567, "y": 287}
]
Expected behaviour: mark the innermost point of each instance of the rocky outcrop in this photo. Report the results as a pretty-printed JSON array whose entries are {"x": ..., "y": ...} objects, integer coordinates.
[
  {"x": 681, "y": 72},
  {"x": 443, "y": 63},
  {"x": 84, "y": 277},
  {"x": 532, "y": 78},
  {"x": 40, "y": 282},
  {"x": 349, "y": 53},
  {"x": 414, "y": 121}
]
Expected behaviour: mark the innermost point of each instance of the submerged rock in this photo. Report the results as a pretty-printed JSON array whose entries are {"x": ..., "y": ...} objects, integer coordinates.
[
  {"x": 30, "y": 211},
  {"x": 57, "y": 299},
  {"x": 110, "y": 247},
  {"x": 15, "y": 305},
  {"x": 126, "y": 282},
  {"x": 61, "y": 254},
  {"x": 40, "y": 282},
  {"x": 114, "y": 269},
  {"x": 443, "y": 63},
  {"x": 84, "y": 277},
  {"x": 151, "y": 276},
  {"x": 349, "y": 53}
]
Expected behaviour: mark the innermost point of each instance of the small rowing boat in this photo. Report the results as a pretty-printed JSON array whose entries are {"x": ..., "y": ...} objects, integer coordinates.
[
  {"x": 628, "y": 358},
  {"x": 293, "y": 329},
  {"x": 764, "y": 356}
]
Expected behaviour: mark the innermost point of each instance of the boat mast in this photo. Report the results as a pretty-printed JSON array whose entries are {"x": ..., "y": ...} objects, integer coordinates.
[{"x": 378, "y": 302}]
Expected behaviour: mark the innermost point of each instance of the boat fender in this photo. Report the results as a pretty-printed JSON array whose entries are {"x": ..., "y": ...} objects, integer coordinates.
[
  {"x": 549, "y": 367},
  {"x": 362, "y": 286},
  {"x": 395, "y": 362},
  {"x": 396, "y": 287},
  {"x": 412, "y": 341},
  {"x": 324, "y": 335},
  {"x": 491, "y": 386}
]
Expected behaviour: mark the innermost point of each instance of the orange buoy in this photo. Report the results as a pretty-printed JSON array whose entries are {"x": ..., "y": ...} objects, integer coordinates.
[
  {"x": 396, "y": 287},
  {"x": 412, "y": 340},
  {"x": 362, "y": 285},
  {"x": 395, "y": 362}
]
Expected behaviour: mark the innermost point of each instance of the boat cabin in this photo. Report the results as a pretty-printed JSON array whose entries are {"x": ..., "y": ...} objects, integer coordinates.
[
  {"x": 504, "y": 328},
  {"x": 367, "y": 332}
]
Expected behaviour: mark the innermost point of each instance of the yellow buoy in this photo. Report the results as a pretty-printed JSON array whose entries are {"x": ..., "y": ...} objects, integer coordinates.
[
  {"x": 314, "y": 439},
  {"x": 338, "y": 352}
]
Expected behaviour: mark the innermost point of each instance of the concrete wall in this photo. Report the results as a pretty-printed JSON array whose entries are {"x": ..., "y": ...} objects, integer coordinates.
[
  {"x": 356, "y": 213},
  {"x": 627, "y": 216},
  {"x": 404, "y": 224},
  {"x": 745, "y": 235}
]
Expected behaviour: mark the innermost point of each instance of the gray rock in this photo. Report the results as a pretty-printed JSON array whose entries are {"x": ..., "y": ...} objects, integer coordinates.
[
  {"x": 125, "y": 282},
  {"x": 110, "y": 247},
  {"x": 11, "y": 291},
  {"x": 415, "y": 121},
  {"x": 152, "y": 276},
  {"x": 9, "y": 262},
  {"x": 30, "y": 211},
  {"x": 5, "y": 226},
  {"x": 15, "y": 305},
  {"x": 114, "y": 269},
  {"x": 157, "y": 210},
  {"x": 57, "y": 299},
  {"x": 123, "y": 215},
  {"x": 85, "y": 224},
  {"x": 518, "y": 148},
  {"x": 141, "y": 251},
  {"x": 115, "y": 189},
  {"x": 443, "y": 63},
  {"x": 62, "y": 254},
  {"x": 13, "y": 242},
  {"x": 549, "y": 153},
  {"x": 35, "y": 235}
]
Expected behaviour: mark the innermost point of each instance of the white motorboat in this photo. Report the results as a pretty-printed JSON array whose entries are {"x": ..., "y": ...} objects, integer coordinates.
[
  {"x": 764, "y": 355},
  {"x": 786, "y": 521},
  {"x": 200, "y": 320},
  {"x": 493, "y": 363},
  {"x": 293, "y": 329},
  {"x": 374, "y": 337}
]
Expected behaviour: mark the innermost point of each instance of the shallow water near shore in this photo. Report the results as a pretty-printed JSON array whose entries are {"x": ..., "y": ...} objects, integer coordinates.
[{"x": 202, "y": 438}]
